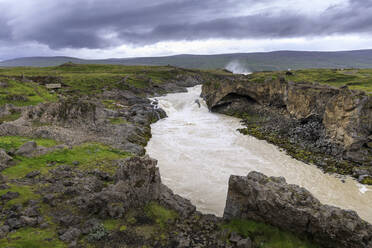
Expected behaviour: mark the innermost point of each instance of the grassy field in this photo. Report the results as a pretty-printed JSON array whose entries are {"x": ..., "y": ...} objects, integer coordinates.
[
  {"x": 82, "y": 80},
  {"x": 23, "y": 94},
  {"x": 356, "y": 79},
  {"x": 92, "y": 79}
]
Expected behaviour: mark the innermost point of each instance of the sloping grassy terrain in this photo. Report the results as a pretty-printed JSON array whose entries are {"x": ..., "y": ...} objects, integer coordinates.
[
  {"x": 85, "y": 157},
  {"x": 14, "y": 142},
  {"x": 356, "y": 79},
  {"x": 89, "y": 79},
  {"x": 21, "y": 93}
]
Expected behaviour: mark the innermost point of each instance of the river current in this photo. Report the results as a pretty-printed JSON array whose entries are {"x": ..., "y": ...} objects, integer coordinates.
[{"x": 197, "y": 151}]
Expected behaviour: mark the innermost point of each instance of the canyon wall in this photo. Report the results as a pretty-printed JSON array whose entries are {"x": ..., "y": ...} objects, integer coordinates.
[{"x": 344, "y": 114}]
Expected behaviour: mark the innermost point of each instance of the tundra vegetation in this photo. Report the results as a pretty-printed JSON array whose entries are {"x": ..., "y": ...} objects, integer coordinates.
[{"x": 55, "y": 195}]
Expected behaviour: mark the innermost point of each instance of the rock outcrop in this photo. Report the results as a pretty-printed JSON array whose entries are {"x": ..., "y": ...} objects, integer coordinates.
[
  {"x": 293, "y": 208},
  {"x": 27, "y": 149},
  {"x": 345, "y": 114},
  {"x": 323, "y": 120}
]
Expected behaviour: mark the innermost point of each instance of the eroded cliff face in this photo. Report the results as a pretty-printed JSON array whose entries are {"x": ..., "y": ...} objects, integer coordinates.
[
  {"x": 348, "y": 118},
  {"x": 272, "y": 200},
  {"x": 343, "y": 116}
]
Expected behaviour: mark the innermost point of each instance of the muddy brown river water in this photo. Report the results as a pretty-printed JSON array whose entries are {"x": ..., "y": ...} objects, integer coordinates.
[{"x": 197, "y": 151}]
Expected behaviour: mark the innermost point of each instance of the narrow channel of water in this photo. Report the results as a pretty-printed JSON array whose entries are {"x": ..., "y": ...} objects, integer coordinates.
[{"x": 198, "y": 151}]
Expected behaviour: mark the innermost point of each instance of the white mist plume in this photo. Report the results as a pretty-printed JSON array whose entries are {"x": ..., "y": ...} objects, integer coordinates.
[{"x": 237, "y": 68}]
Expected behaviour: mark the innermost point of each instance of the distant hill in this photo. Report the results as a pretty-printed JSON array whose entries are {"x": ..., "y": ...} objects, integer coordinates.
[{"x": 268, "y": 61}]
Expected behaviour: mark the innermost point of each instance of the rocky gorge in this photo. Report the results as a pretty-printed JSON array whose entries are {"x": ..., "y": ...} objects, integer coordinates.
[
  {"x": 73, "y": 172},
  {"x": 316, "y": 123}
]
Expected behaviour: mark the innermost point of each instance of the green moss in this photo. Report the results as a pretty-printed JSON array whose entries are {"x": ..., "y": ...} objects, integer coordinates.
[
  {"x": 267, "y": 236},
  {"x": 117, "y": 121},
  {"x": 32, "y": 238},
  {"x": 160, "y": 214},
  {"x": 14, "y": 142},
  {"x": 367, "y": 180},
  {"x": 112, "y": 224},
  {"x": 26, "y": 193},
  {"x": 89, "y": 156},
  {"x": 25, "y": 93},
  {"x": 123, "y": 228},
  {"x": 146, "y": 231},
  {"x": 110, "y": 104}
]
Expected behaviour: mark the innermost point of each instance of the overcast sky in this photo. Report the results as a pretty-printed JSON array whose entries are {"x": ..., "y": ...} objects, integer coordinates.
[{"x": 132, "y": 28}]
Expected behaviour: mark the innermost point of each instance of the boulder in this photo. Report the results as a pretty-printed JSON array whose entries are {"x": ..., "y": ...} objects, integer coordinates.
[
  {"x": 141, "y": 176},
  {"x": 33, "y": 174},
  {"x": 27, "y": 149},
  {"x": 136, "y": 182},
  {"x": 183, "y": 206},
  {"x": 14, "y": 223},
  {"x": 4, "y": 157},
  {"x": 9, "y": 196},
  {"x": 53, "y": 86},
  {"x": 4, "y": 230},
  {"x": 244, "y": 243},
  {"x": 4, "y": 85},
  {"x": 70, "y": 235},
  {"x": 293, "y": 208}
]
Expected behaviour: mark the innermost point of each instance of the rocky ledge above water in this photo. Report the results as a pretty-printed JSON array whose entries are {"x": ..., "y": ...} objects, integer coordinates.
[
  {"x": 328, "y": 126},
  {"x": 290, "y": 207},
  {"x": 71, "y": 177}
]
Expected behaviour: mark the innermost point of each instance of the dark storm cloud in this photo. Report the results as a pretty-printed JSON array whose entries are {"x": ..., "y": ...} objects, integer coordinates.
[{"x": 101, "y": 24}]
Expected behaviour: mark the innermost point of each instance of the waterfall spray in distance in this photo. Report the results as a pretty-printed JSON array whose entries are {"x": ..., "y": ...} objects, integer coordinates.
[{"x": 236, "y": 67}]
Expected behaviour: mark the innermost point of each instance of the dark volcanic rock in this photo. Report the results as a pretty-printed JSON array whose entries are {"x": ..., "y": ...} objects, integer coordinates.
[
  {"x": 9, "y": 196},
  {"x": 293, "y": 208},
  {"x": 33, "y": 174},
  {"x": 335, "y": 122},
  {"x": 140, "y": 177},
  {"x": 27, "y": 148},
  {"x": 70, "y": 235}
]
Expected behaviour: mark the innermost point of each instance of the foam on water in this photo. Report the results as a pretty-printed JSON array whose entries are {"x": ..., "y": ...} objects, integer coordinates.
[{"x": 198, "y": 151}]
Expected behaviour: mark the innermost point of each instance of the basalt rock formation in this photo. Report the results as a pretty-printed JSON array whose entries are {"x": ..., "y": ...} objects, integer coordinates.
[
  {"x": 72, "y": 120},
  {"x": 89, "y": 187},
  {"x": 332, "y": 122},
  {"x": 290, "y": 207}
]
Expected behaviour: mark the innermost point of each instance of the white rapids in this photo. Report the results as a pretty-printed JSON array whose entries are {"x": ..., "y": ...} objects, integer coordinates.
[{"x": 197, "y": 151}]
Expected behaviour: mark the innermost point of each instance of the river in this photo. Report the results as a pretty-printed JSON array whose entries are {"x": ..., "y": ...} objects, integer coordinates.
[{"x": 197, "y": 151}]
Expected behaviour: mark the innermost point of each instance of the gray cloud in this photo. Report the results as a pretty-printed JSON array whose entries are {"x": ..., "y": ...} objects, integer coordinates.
[{"x": 104, "y": 24}]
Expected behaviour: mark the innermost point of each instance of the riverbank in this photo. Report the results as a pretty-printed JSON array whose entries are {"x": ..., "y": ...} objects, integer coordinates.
[
  {"x": 313, "y": 122},
  {"x": 196, "y": 163},
  {"x": 70, "y": 171}
]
